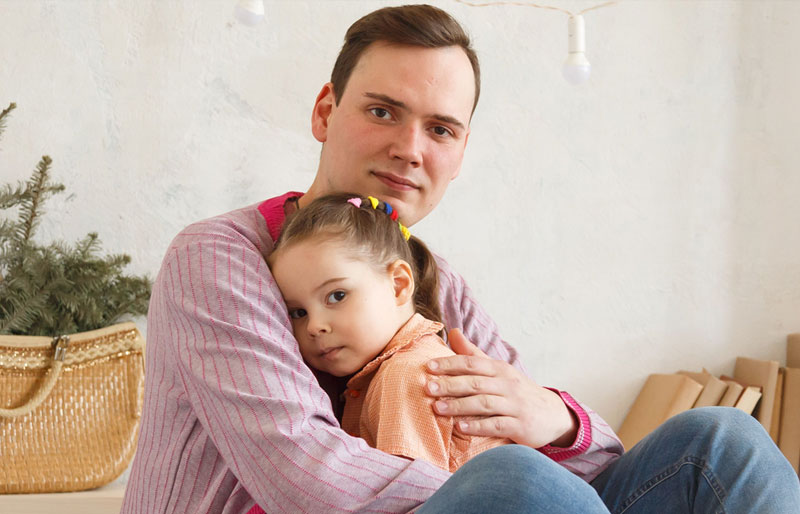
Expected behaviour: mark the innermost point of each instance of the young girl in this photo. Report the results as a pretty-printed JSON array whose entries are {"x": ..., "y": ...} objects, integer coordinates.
[{"x": 362, "y": 295}]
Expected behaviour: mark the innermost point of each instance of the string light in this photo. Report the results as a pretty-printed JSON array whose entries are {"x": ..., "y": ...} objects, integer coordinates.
[
  {"x": 577, "y": 68},
  {"x": 250, "y": 12}
]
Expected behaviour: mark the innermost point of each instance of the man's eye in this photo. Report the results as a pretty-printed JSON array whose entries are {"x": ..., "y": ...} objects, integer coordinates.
[
  {"x": 336, "y": 297},
  {"x": 441, "y": 131},
  {"x": 380, "y": 112},
  {"x": 297, "y": 313}
]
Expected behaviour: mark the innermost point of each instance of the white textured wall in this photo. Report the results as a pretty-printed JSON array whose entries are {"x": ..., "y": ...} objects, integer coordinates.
[{"x": 644, "y": 222}]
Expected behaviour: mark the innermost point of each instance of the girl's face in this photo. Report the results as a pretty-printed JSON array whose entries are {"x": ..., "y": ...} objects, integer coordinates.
[{"x": 343, "y": 310}]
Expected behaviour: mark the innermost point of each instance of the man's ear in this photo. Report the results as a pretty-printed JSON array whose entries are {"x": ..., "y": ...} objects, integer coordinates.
[
  {"x": 402, "y": 280},
  {"x": 323, "y": 107}
]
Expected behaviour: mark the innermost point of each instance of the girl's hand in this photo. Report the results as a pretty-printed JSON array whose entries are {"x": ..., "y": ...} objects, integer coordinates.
[{"x": 509, "y": 404}]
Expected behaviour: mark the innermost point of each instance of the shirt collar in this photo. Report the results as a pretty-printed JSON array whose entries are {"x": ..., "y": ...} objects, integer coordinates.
[
  {"x": 415, "y": 328},
  {"x": 275, "y": 210}
]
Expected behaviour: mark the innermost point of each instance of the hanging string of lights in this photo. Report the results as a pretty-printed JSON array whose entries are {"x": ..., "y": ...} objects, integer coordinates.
[{"x": 577, "y": 68}]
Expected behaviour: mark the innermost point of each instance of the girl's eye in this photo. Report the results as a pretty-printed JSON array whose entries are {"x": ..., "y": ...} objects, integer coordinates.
[
  {"x": 297, "y": 313},
  {"x": 380, "y": 112},
  {"x": 336, "y": 297}
]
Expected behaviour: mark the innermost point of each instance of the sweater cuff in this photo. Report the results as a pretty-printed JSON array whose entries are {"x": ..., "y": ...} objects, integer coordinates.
[{"x": 583, "y": 439}]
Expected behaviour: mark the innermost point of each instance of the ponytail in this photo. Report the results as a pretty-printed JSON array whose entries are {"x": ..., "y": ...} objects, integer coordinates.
[{"x": 426, "y": 293}]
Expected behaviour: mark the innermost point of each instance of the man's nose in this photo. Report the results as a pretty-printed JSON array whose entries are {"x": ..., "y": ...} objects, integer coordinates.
[{"x": 408, "y": 144}]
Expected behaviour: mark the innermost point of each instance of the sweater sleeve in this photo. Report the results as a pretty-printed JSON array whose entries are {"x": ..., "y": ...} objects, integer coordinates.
[
  {"x": 232, "y": 414},
  {"x": 595, "y": 445}
]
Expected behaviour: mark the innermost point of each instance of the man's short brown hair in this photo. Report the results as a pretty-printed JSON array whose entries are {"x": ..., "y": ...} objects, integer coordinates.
[{"x": 414, "y": 25}]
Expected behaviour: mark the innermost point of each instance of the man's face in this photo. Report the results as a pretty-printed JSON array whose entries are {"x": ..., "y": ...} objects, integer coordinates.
[{"x": 400, "y": 128}]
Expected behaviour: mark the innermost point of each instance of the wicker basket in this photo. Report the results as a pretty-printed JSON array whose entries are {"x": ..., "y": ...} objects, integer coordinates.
[{"x": 69, "y": 408}]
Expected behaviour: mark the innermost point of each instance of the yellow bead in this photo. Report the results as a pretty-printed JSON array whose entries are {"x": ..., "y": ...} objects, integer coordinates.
[{"x": 404, "y": 230}]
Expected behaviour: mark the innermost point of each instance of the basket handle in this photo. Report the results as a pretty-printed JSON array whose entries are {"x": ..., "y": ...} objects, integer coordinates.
[{"x": 60, "y": 344}]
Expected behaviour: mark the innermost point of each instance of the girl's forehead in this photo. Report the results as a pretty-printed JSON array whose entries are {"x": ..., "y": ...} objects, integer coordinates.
[
  {"x": 304, "y": 268},
  {"x": 325, "y": 249}
]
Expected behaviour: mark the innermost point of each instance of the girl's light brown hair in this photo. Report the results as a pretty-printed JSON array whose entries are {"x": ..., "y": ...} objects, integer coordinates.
[{"x": 372, "y": 236}]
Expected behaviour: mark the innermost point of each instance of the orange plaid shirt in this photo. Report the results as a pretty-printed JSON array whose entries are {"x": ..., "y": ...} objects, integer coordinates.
[{"x": 386, "y": 405}]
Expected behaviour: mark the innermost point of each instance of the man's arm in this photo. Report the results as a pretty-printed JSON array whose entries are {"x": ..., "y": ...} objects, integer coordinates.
[
  {"x": 489, "y": 381},
  {"x": 221, "y": 334},
  {"x": 495, "y": 388}
]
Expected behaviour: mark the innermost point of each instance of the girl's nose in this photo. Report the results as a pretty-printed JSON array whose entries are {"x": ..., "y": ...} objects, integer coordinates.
[{"x": 318, "y": 325}]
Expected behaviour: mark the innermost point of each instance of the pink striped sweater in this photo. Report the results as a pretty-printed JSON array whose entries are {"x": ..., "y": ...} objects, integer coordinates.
[{"x": 233, "y": 417}]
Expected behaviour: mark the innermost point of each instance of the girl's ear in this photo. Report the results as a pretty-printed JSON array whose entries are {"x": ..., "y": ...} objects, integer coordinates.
[{"x": 402, "y": 280}]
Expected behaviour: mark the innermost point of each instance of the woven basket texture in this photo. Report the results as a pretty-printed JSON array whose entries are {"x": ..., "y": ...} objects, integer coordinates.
[{"x": 84, "y": 433}]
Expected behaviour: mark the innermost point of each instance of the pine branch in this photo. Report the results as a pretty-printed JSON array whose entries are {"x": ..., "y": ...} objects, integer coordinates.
[
  {"x": 3, "y": 115},
  {"x": 6, "y": 230},
  {"x": 21, "y": 311},
  {"x": 59, "y": 288},
  {"x": 9, "y": 196},
  {"x": 38, "y": 187}
]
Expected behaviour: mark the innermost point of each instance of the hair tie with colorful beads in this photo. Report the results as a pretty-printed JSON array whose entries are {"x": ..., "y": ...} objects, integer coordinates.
[{"x": 382, "y": 206}]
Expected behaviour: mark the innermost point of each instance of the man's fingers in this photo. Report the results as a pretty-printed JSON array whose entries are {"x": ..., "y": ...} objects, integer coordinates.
[
  {"x": 476, "y": 405},
  {"x": 464, "y": 365},
  {"x": 495, "y": 426},
  {"x": 461, "y": 345},
  {"x": 467, "y": 385}
]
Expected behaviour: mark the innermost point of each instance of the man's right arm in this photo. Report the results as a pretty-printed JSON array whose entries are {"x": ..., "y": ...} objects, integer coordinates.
[
  {"x": 595, "y": 445},
  {"x": 219, "y": 330}
]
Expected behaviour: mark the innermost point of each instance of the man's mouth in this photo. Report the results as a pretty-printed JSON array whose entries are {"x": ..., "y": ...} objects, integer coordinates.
[{"x": 395, "y": 182}]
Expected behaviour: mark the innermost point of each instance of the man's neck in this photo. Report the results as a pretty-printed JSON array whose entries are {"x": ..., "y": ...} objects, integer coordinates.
[{"x": 314, "y": 191}]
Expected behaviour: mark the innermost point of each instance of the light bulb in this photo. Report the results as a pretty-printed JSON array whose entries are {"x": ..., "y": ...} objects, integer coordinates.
[
  {"x": 250, "y": 12},
  {"x": 576, "y": 67}
]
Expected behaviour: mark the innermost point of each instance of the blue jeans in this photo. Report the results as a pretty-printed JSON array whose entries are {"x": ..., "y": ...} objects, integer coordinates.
[{"x": 709, "y": 460}]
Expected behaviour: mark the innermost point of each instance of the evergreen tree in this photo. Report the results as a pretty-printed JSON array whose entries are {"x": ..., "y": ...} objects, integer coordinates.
[{"x": 58, "y": 288}]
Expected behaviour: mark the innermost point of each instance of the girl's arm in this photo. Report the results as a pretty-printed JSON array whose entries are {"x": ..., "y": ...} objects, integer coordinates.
[{"x": 398, "y": 416}]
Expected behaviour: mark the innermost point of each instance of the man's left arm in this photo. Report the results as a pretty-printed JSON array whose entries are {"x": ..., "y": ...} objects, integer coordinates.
[{"x": 488, "y": 379}]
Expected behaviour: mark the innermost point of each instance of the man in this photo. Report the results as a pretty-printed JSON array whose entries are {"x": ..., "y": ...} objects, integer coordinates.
[{"x": 233, "y": 417}]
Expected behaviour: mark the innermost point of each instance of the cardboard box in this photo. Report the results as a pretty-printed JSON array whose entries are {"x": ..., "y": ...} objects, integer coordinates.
[
  {"x": 793, "y": 351},
  {"x": 789, "y": 440},
  {"x": 701, "y": 377},
  {"x": 763, "y": 374},
  {"x": 713, "y": 388},
  {"x": 749, "y": 399},
  {"x": 775, "y": 428},
  {"x": 732, "y": 394},
  {"x": 662, "y": 397},
  {"x": 712, "y": 393}
]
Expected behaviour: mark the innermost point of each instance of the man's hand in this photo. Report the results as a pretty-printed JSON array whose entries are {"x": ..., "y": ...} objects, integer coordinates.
[{"x": 509, "y": 403}]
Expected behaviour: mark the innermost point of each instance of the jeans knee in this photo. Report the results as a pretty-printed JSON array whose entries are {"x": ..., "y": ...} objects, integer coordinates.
[
  {"x": 506, "y": 457},
  {"x": 705, "y": 418},
  {"x": 718, "y": 426},
  {"x": 498, "y": 464},
  {"x": 514, "y": 478}
]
